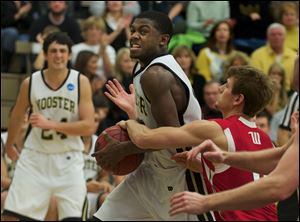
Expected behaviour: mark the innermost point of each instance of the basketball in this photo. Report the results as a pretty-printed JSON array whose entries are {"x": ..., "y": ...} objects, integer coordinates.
[{"x": 129, "y": 163}]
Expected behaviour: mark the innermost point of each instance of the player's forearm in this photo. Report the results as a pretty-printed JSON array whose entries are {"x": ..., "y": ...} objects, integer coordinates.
[
  {"x": 78, "y": 128},
  {"x": 130, "y": 148},
  {"x": 266, "y": 191},
  {"x": 14, "y": 127},
  {"x": 262, "y": 162}
]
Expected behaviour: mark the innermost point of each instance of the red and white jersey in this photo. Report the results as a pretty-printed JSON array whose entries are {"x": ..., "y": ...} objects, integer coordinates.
[{"x": 242, "y": 135}]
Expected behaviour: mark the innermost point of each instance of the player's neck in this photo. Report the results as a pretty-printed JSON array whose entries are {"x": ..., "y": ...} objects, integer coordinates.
[
  {"x": 235, "y": 113},
  {"x": 145, "y": 62},
  {"x": 55, "y": 76}
]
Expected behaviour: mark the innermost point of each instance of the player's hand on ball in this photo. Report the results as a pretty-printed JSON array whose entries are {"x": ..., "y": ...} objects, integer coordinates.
[{"x": 110, "y": 155}]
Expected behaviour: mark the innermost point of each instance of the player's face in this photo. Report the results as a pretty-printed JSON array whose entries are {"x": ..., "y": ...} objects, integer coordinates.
[
  {"x": 225, "y": 99},
  {"x": 144, "y": 39},
  {"x": 57, "y": 56}
]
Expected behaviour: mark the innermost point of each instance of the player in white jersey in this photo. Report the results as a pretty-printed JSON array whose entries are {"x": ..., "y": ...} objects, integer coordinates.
[
  {"x": 164, "y": 97},
  {"x": 51, "y": 162}
]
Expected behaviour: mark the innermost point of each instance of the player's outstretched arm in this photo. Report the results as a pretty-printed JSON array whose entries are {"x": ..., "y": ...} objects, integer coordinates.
[
  {"x": 279, "y": 185},
  {"x": 121, "y": 98},
  {"x": 263, "y": 161}
]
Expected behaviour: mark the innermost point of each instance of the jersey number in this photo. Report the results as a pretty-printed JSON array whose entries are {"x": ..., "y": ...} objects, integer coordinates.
[
  {"x": 255, "y": 137},
  {"x": 48, "y": 135}
]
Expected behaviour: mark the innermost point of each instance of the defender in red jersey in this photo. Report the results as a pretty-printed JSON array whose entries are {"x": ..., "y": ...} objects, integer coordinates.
[{"x": 245, "y": 93}]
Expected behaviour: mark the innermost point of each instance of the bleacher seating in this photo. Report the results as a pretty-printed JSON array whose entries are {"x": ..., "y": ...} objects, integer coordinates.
[{"x": 10, "y": 84}]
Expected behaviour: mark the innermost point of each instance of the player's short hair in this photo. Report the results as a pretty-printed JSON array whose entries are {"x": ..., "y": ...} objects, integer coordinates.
[
  {"x": 59, "y": 37},
  {"x": 161, "y": 21},
  {"x": 256, "y": 87}
]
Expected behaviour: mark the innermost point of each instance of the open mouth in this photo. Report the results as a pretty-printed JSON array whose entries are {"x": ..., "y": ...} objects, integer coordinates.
[{"x": 135, "y": 46}]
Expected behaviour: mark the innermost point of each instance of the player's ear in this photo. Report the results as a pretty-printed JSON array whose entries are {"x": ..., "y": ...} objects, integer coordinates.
[
  {"x": 164, "y": 40},
  {"x": 238, "y": 99}
]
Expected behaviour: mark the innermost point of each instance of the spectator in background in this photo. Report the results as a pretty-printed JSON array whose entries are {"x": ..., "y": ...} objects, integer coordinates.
[
  {"x": 219, "y": 47},
  {"x": 235, "y": 59},
  {"x": 102, "y": 107},
  {"x": 15, "y": 22},
  {"x": 93, "y": 31},
  {"x": 279, "y": 100},
  {"x": 187, "y": 60},
  {"x": 275, "y": 51},
  {"x": 250, "y": 19},
  {"x": 97, "y": 8},
  {"x": 290, "y": 20},
  {"x": 262, "y": 121},
  {"x": 124, "y": 68},
  {"x": 202, "y": 16},
  {"x": 176, "y": 10},
  {"x": 39, "y": 62},
  {"x": 211, "y": 94},
  {"x": 117, "y": 25},
  {"x": 87, "y": 64},
  {"x": 275, "y": 7},
  {"x": 57, "y": 16}
]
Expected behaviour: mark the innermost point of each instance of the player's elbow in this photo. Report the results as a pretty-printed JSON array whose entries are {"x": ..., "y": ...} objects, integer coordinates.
[
  {"x": 282, "y": 189},
  {"x": 89, "y": 129}
]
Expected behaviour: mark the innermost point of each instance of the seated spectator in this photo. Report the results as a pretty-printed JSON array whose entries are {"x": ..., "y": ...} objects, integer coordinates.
[
  {"x": 211, "y": 94},
  {"x": 279, "y": 100},
  {"x": 57, "y": 16},
  {"x": 187, "y": 60},
  {"x": 250, "y": 19},
  {"x": 87, "y": 64},
  {"x": 117, "y": 25},
  {"x": 290, "y": 19},
  {"x": 176, "y": 10},
  {"x": 274, "y": 51},
  {"x": 97, "y": 8},
  {"x": 124, "y": 68},
  {"x": 235, "y": 59},
  {"x": 219, "y": 47},
  {"x": 93, "y": 31},
  {"x": 202, "y": 16},
  {"x": 262, "y": 121},
  {"x": 37, "y": 47},
  {"x": 15, "y": 22},
  {"x": 102, "y": 107}
]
